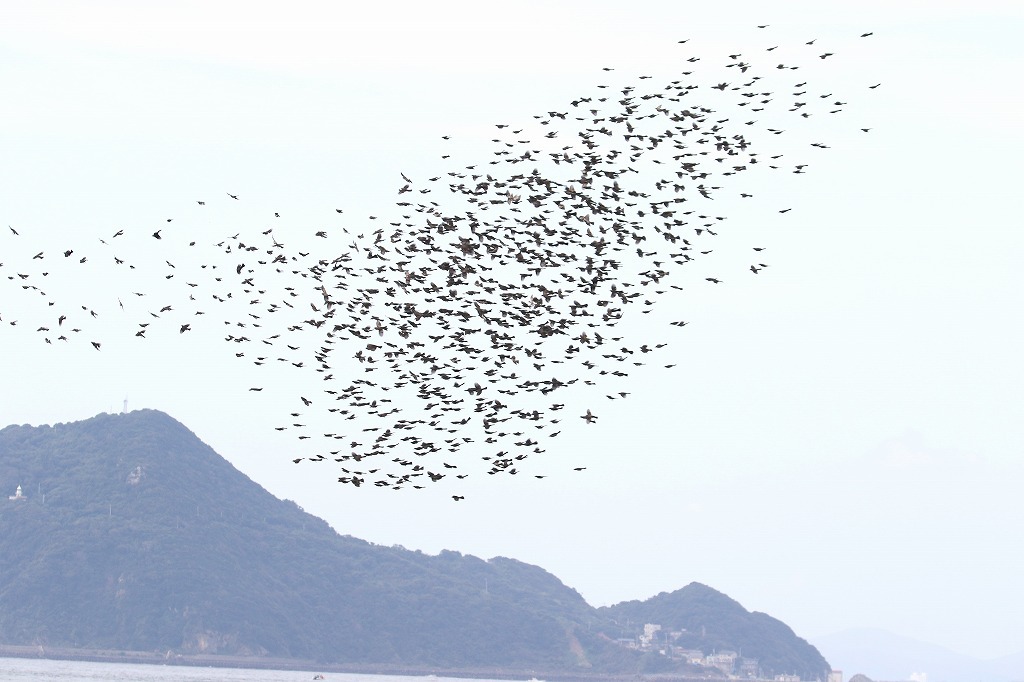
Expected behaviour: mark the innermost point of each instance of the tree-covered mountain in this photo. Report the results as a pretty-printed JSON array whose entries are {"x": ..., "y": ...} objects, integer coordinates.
[
  {"x": 705, "y": 619},
  {"x": 132, "y": 534}
]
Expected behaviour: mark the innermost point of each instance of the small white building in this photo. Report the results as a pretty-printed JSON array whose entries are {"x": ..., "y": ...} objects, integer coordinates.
[
  {"x": 723, "y": 660},
  {"x": 17, "y": 495},
  {"x": 647, "y": 639},
  {"x": 748, "y": 667}
]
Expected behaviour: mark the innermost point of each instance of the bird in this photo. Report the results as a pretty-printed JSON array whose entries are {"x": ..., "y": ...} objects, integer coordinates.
[{"x": 441, "y": 331}]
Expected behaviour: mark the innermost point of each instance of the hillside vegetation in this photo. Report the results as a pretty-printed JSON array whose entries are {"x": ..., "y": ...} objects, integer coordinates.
[
  {"x": 135, "y": 535},
  {"x": 710, "y": 621}
]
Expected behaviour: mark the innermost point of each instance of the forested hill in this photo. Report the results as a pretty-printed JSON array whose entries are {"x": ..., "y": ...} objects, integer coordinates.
[
  {"x": 706, "y": 618},
  {"x": 132, "y": 534}
]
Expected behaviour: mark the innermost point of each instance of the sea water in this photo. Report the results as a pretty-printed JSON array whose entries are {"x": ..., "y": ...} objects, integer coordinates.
[{"x": 40, "y": 670}]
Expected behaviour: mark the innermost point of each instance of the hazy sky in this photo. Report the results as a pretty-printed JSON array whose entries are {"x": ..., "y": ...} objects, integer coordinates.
[{"x": 840, "y": 443}]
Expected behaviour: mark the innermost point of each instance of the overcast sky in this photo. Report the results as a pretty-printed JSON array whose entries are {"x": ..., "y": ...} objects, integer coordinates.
[{"x": 839, "y": 444}]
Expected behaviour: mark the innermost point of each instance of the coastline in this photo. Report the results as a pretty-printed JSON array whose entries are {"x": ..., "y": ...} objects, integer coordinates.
[{"x": 270, "y": 663}]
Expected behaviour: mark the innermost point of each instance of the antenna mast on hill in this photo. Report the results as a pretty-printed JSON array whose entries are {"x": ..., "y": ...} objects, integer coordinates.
[{"x": 125, "y": 410}]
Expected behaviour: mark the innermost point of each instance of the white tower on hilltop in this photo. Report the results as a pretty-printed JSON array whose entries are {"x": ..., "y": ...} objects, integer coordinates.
[{"x": 125, "y": 409}]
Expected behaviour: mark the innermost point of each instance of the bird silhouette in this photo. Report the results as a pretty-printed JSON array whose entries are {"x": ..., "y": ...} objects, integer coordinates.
[{"x": 439, "y": 331}]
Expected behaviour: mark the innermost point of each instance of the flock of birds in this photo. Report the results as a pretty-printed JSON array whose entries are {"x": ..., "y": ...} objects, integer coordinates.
[{"x": 492, "y": 310}]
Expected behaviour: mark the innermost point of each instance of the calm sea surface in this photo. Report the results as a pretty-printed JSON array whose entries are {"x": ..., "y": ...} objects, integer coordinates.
[{"x": 38, "y": 670}]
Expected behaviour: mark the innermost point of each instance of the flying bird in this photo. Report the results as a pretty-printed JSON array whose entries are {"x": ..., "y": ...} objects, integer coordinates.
[{"x": 441, "y": 331}]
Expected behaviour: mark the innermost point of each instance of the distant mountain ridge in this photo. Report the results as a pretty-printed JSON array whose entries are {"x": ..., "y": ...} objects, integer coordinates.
[
  {"x": 133, "y": 534},
  {"x": 882, "y": 655}
]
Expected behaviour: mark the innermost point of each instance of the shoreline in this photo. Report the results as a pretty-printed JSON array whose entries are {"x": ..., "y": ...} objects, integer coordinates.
[{"x": 296, "y": 664}]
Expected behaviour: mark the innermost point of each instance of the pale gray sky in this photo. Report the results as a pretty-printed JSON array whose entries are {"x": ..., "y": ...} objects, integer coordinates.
[{"x": 839, "y": 445}]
